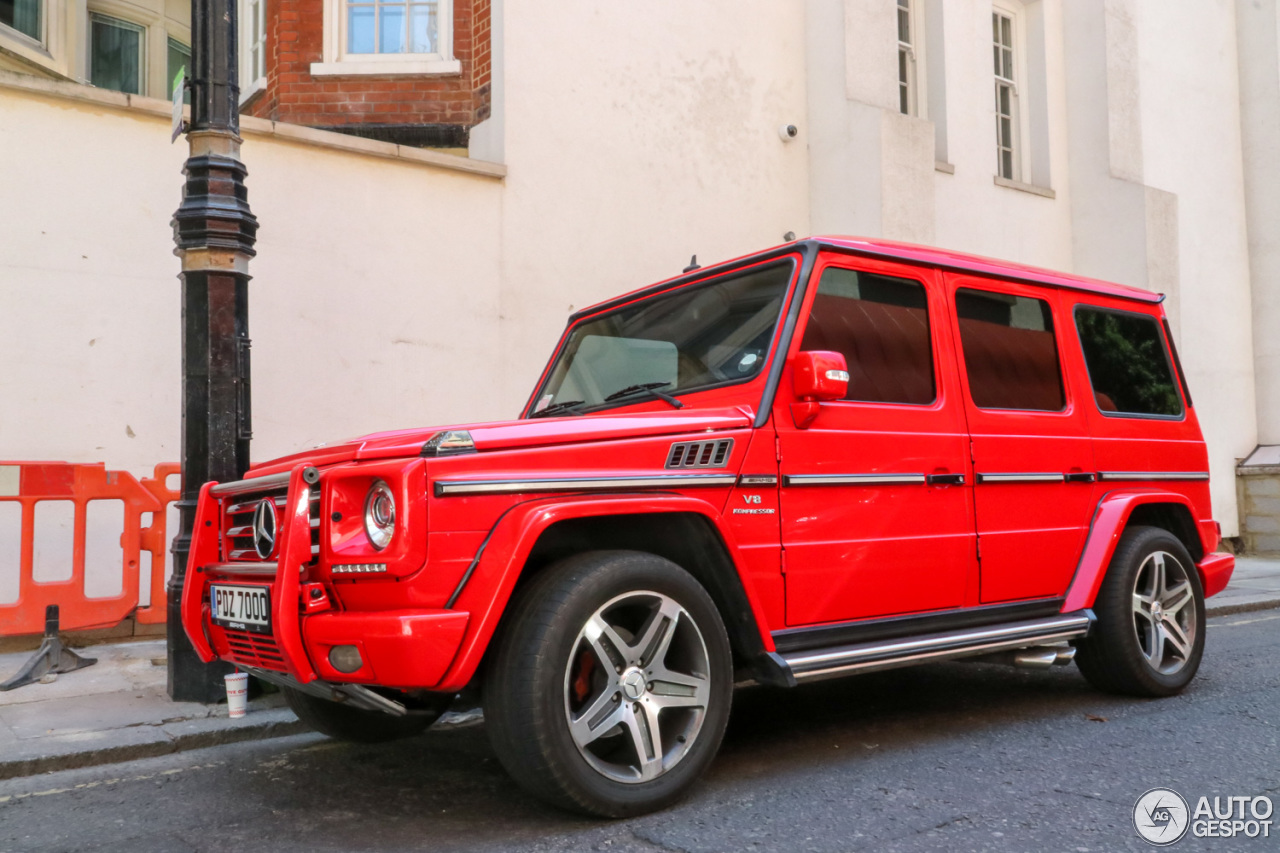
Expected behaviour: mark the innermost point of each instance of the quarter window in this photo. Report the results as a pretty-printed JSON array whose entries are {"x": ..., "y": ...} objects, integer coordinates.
[
  {"x": 881, "y": 325},
  {"x": 116, "y": 54},
  {"x": 23, "y": 16},
  {"x": 1010, "y": 353},
  {"x": 1128, "y": 363}
]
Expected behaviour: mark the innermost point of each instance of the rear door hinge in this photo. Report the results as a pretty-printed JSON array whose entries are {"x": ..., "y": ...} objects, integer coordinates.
[{"x": 782, "y": 559}]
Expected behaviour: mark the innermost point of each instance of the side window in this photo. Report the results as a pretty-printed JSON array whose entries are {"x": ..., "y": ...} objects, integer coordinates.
[
  {"x": 1128, "y": 364},
  {"x": 881, "y": 325},
  {"x": 1009, "y": 351}
]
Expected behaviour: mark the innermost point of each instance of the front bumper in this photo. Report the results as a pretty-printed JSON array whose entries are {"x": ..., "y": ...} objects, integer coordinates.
[{"x": 408, "y": 649}]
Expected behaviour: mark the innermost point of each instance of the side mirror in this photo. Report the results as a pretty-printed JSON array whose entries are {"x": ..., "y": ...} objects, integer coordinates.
[{"x": 819, "y": 376}]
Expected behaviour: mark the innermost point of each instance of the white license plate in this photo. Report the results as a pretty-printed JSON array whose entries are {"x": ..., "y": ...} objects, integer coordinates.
[{"x": 245, "y": 608}]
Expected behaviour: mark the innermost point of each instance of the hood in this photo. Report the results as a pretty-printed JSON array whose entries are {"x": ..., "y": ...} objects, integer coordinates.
[{"x": 513, "y": 435}]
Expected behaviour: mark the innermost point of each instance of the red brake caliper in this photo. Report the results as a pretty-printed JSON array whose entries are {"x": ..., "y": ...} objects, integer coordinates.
[{"x": 582, "y": 681}]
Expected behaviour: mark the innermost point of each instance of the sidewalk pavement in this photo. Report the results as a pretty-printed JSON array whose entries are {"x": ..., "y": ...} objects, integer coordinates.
[{"x": 118, "y": 710}]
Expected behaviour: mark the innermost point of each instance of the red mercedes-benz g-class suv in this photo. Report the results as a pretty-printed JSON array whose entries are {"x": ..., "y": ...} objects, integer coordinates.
[{"x": 832, "y": 457}]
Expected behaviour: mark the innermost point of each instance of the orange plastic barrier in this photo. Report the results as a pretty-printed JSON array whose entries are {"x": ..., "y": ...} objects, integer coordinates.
[{"x": 28, "y": 483}]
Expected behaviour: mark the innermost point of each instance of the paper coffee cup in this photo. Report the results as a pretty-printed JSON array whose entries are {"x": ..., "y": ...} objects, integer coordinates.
[{"x": 237, "y": 694}]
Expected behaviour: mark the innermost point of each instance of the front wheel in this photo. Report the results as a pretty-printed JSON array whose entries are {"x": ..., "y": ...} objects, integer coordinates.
[
  {"x": 1149, "y": 637},
  {"x": 609, "y": 690}
]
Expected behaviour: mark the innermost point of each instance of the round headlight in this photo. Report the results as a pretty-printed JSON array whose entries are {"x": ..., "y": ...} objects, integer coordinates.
[{"x": 380, "y": 515}]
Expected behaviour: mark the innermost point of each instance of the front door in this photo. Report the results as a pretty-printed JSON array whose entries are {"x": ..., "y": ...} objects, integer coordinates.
[
  {"x": 875, "y": 497},
  {"x": 1032, "y": 458}
]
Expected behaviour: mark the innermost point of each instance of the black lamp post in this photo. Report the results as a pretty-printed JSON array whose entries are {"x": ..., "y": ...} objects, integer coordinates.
[{"x": 214, "y": 232}]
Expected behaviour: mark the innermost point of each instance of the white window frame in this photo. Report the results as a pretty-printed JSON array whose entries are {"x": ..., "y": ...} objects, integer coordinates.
[
  {"x": 144, "y": 49},
  {"x": 251, "y": 83},
  {"x": 337, "y": 61},
  {"x": 915, "y": 84},
  {"x": 22, "y": 38},
  {"x": 1017, "y": 85}
]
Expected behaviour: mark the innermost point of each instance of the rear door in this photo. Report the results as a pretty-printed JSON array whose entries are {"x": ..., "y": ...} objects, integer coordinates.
[
  {"x": 875, "y": 498},
  {"x": 1032, "y": 457}
]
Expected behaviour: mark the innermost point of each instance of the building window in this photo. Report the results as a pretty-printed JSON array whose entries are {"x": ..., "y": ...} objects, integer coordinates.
[
  {"x": 23, "y": 16},
  {"x": 179, "y": 58},
  {"x": 253, "y": 47},
  {"x": 1002, "y": 33},
  {"x": 388, "y": 37},
  {"x": 392, "y": 27},
  {"x": 116, "y": 54},
  {"x": 907, "y": 96}
]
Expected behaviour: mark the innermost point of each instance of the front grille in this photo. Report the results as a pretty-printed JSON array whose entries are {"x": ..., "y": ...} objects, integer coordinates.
[
  {"x": 237, "y": 542},
  {"x": 259, "y": 650},
  {"x": 700, "y": 454}
]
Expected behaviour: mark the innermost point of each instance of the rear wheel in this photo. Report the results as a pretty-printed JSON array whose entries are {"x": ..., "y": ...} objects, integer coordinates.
[
  {"x": 1149, "y": 637},
  {"x": 341, "y": 721},
  {"x": 609, "y": 692}
]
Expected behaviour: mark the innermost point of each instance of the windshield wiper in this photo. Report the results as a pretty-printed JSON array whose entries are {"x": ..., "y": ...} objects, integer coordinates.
[
  {"x": 649, "y": 388},
  {"x": 557, "y": 408}
]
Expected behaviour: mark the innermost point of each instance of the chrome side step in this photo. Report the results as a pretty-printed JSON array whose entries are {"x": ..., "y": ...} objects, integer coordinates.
[{"x": 816, "y": 664}]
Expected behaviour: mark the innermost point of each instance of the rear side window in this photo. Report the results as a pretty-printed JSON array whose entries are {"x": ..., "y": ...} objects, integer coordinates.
[
  {"x": 880, "y": 324},
  {"x": 1010, "y": 352},
  {"x": 1128, "y": 363}
]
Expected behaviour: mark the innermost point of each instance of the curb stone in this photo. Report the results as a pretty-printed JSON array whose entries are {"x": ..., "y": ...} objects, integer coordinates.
[
  {"x": 68, "y": 753},
  {"x": 1242, "y": 607}
]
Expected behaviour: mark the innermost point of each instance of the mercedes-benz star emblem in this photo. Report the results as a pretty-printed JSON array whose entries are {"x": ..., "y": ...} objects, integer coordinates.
[{"x": 264, "y": 528}]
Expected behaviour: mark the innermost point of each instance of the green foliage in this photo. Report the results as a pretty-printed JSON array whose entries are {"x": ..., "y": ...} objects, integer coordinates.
[{"x": 1127, "y": 362}]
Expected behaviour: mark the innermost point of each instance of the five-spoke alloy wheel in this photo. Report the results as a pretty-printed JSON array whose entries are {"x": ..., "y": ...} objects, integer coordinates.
[
  {"x": 609, "y": 690},
  {"x": 1149, "y": 637}
]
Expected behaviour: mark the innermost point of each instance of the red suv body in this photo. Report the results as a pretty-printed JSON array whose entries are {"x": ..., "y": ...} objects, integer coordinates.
[{"x": 865, "y": 454}]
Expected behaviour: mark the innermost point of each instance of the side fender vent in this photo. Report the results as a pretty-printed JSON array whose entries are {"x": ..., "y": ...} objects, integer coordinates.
[{"x": 700, "y": 454}]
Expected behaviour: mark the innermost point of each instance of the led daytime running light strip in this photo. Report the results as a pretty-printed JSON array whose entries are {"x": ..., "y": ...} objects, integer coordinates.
[{"x": 359, "y": 569}]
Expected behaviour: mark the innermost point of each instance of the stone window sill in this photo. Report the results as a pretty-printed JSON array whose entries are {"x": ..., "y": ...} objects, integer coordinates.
[
  {"x": 385, "y": 68},
  {"x": 1043, "y": 192}
]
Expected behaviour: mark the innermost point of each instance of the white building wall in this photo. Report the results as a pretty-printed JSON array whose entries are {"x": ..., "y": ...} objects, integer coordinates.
[{"x": 387, "y": 293}]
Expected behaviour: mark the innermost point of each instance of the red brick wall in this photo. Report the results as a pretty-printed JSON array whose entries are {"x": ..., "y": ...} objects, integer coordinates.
[{"x": 294, "y": 41}]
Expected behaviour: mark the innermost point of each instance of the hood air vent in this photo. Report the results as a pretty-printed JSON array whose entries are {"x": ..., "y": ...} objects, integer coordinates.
[{"x": 700, "y": 454}]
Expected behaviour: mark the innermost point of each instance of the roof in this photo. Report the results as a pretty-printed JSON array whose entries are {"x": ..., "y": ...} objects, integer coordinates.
[{"x": 911, "y": 253}]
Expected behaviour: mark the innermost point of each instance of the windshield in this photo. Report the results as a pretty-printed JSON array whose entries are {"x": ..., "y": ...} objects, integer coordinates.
[{"x": 695, "y": 338}]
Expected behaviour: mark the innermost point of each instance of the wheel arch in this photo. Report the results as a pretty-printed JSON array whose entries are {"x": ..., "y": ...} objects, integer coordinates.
[
  {"x": 534, "y": 535},
  {"x": 688, "y": 539},
  {"x": 1116, "y": 512}
]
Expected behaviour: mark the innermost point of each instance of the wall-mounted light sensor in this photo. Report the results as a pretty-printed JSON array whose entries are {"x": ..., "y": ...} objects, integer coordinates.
[{"x": 788, "y": 132}]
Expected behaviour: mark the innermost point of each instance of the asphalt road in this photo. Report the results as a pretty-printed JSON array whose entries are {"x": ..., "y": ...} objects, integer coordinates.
[{"x": 951, "y": 757}]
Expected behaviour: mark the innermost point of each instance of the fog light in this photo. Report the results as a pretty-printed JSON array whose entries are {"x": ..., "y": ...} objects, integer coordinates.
[{"x": 345, "y": 658}]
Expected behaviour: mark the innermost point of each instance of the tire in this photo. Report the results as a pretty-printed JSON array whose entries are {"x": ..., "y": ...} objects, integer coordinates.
[
  {"x": 579, "y": 734},
  {"x": 344, "y": 722},
  {"x": 1149, "y": 637}
]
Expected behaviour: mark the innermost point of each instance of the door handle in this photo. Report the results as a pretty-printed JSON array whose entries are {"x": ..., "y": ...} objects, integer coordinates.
[
  {"x": 1079, "y": 477},
  {"x": 945, "y": 479}
]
